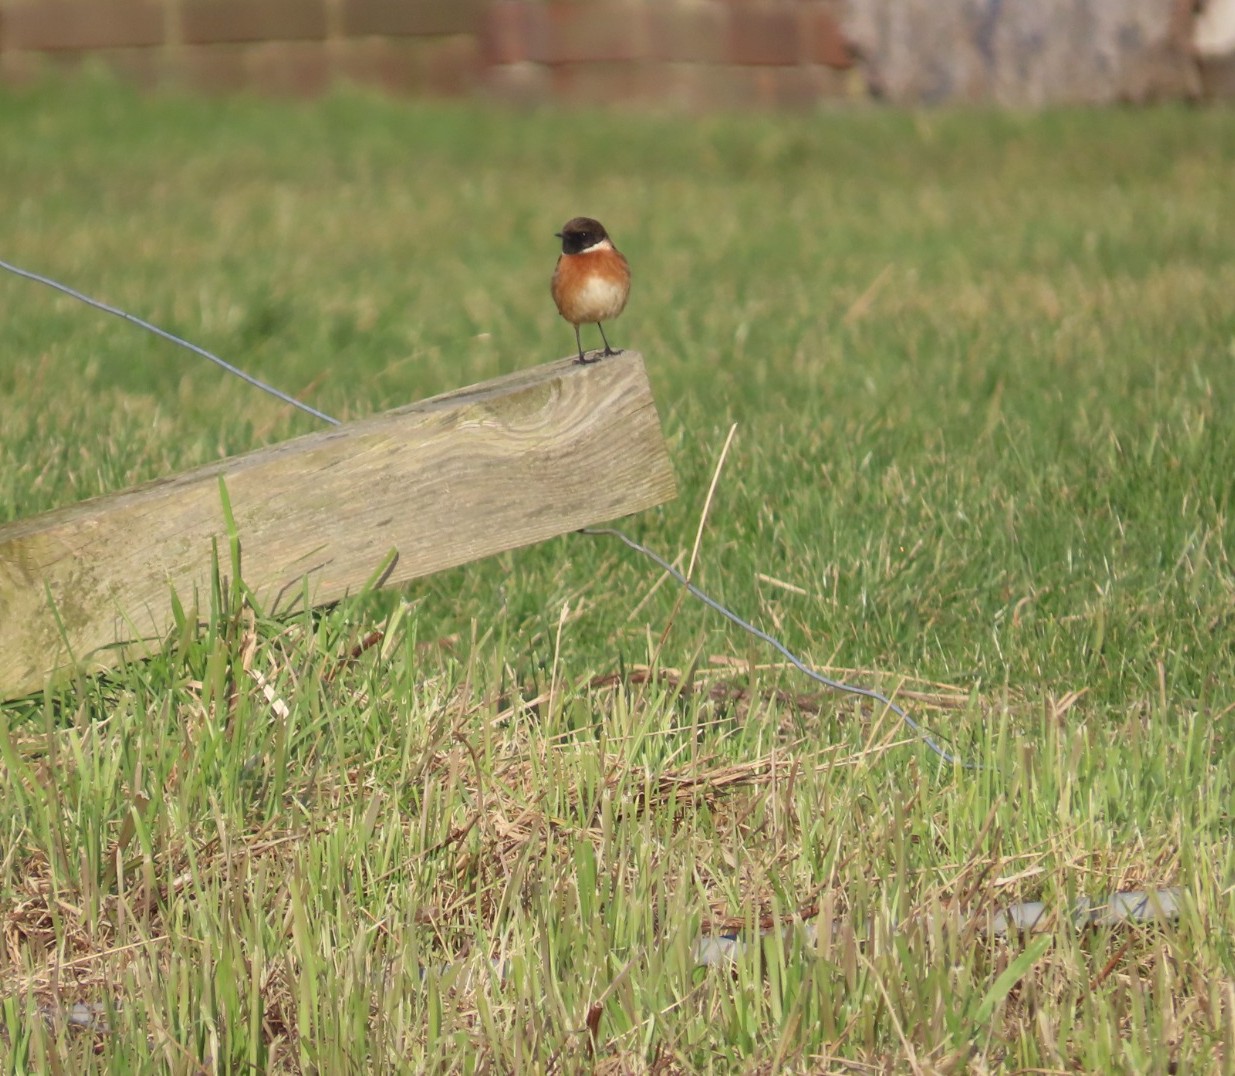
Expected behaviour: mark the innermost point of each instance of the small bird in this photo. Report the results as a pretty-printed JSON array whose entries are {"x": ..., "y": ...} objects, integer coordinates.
[{"x": 592, "y": 279}]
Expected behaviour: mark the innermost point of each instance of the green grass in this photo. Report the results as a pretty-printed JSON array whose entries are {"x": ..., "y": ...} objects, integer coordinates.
[{"x": 981, "y": 367}]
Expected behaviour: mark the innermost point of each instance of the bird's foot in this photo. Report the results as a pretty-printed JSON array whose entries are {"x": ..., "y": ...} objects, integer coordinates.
[
  {"x": 610, "y": 351},
  {"x": 583, "y": 360}
]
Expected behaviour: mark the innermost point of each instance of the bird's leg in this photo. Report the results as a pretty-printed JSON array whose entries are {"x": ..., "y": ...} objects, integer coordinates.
[
  {"x": 579, "y": 343},
  {"x": 608, "y": 350}
]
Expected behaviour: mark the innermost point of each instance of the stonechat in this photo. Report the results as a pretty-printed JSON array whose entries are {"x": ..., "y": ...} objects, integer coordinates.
[{"x": 592, "y": 279}]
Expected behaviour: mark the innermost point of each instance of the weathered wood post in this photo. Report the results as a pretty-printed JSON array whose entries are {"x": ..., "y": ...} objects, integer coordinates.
[{"x": 498, "y": 465}]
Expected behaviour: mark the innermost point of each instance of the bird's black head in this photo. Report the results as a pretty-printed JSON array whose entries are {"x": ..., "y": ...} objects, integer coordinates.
[{"x": 579, "y": 234}]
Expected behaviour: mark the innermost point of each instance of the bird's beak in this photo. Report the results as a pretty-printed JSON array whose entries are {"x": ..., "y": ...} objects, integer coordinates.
[{"x": 558, "y": 234}]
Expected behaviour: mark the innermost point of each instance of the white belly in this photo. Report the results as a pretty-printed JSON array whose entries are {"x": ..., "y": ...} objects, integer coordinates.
[{"x": 599, "y": 299}]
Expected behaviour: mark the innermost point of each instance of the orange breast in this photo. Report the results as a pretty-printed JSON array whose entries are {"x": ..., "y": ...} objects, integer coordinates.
[{"x": 592, "y": 286}]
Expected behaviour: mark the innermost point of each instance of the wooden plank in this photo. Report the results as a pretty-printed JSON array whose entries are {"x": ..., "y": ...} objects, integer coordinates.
[{"x": 464, "y": 475}]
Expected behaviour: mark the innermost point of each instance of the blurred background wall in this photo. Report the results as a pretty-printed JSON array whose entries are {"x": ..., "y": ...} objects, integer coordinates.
[{"x": 692, "y": 54}]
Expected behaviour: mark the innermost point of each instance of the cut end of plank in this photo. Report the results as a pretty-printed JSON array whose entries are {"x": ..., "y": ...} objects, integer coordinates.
[{"x": 473, "y": 472}]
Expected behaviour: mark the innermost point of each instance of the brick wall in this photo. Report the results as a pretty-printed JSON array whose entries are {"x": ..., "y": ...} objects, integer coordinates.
[
  {"x": 695, "y": 53},
  {"x": 670, "y": 53},
  {"x": 692, "y": 53},
  {"x": 280, "y": 46}
]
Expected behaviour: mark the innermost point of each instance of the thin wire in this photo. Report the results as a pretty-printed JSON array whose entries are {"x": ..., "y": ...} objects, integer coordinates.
[
  {"x": 711, "y": 603},
  {"x": 798, "y": 663},
  {"x": 249, "y": 378}
]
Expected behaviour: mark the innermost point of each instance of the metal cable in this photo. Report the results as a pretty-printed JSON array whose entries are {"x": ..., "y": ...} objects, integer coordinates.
[
  {"x": 694, "y": 591},
  {"x": 115, "y": 311},
  {"x": 776, "y": 644}
]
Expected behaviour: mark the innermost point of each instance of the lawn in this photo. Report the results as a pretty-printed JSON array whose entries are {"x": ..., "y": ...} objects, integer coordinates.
[{"x": 982, "y": 369}]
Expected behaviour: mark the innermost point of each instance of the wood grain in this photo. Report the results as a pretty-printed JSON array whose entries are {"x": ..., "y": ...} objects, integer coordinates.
[{"x": 439, "y": 483}]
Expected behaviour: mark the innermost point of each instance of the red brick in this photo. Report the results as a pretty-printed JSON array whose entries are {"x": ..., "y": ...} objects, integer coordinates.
[
  {"x": 764, "y": 35},
  {"x": 378, "y": 62},
  {"x": 452, "y": 65},
  {"x": 501, "y": 33},
  {"x": 446, "y": 66},
  {"x": 823, "y": 39},
  {"x": 698, "y": 33},
  {"x": 292, "y": 68},
  {"x": 513, "y": 31},
  {"x": 412, "y": 17},
  {"x": 597, "y": 83},
  {"x": 603, "y": 32},
  {"x": 211, "y": 68},
  {"x": 217, "y": 21},
  {"x": 83, "y": 24}
]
